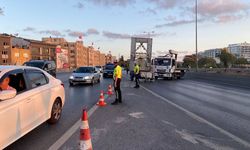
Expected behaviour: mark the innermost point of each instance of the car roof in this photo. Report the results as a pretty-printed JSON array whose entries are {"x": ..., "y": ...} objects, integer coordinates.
[
  {"x": 6, "y": 68},
  {"x": 40, "y": 61},
  {"x": 86, "y": 67}
]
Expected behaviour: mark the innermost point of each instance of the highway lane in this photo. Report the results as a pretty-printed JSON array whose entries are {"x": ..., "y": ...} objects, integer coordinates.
[
  {"x": 236, "y": 81},
  {"x": 222, "y": 103},
  {"x": 77, "y": 97}
]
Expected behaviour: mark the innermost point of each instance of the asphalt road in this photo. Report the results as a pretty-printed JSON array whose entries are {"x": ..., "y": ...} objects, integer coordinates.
[
  {"x": 77, "y": 97},
  {"x": 222, "y": 101},
  {"x": 172, "y": 115}
]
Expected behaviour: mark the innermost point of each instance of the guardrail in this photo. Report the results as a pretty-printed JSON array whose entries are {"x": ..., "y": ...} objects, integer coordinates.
[{"x": 232, "y": 71}]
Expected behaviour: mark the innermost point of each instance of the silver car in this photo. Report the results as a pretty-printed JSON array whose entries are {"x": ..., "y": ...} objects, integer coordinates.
[{"x": 88, "y": 75}]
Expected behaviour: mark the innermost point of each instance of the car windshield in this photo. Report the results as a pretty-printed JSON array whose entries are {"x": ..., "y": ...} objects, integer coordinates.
[
  {"x": 109, "y": 67},
  {"x": 34, "y": 64},
  {"x": 85, "y": 70},
  {"x": 163, "y": 62}
]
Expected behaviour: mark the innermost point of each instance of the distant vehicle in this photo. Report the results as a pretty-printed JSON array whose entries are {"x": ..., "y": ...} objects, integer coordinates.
[
  {"x": 100, "y": 69},
  {"x": 46, "y": 65},
  {"x": 85, "y": 75},
  {"x": 39, "y": 98},
  {"x": 108, "y": 70},
  {"x": 166, "y": 66}
]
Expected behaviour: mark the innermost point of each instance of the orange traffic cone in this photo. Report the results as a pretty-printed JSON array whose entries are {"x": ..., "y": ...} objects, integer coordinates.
[
  {"x": 110, "y": 90},
  {"x": 101, "y": 100},
  {"x": 85, "y": 139}
]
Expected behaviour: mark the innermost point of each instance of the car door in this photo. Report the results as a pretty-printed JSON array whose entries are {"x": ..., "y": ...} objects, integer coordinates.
[
  {"x": 13, "y": 116},
  {"x": 40, "y": 88}
]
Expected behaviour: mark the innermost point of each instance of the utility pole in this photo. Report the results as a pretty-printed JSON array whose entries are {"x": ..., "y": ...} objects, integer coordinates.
[{"x": 196, "y": 44}]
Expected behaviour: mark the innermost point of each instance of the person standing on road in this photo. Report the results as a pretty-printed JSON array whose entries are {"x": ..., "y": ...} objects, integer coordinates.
[
  {"x": 137, "y": 75},
  {"x": 117, "y": 84}
]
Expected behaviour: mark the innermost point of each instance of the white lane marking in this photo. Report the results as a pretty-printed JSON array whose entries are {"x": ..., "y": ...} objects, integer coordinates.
[
  {"x": 71, "y": 131},
  {"x": 234, "y": 137},
  {"x": 168, "y": 123},
  {"x": 137, "y": 115},
  {"x": 196, "y": 139}
]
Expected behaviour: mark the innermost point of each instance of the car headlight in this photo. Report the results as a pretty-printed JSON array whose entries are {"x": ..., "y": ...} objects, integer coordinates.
[
  {"x": 87, "y": 77},
  {"x": 71, "y": 77}
]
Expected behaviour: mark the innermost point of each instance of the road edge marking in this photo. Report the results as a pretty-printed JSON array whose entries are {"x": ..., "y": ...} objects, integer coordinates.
[
  {"x": 198, "y": 118},
  {"x": 71, "y": 131}
]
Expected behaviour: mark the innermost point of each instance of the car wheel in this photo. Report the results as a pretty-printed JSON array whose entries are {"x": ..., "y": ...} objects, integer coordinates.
[
  {"x": 56, "y": 111},
  {"x": 98, "y": 80},
  {"x": 71, "y": 84},
  {"x": 92, "y": 82}
]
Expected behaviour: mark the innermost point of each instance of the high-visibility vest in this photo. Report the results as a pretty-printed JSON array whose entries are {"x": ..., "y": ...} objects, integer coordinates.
[
  {"x": 118, "y": 72},
  {"x": 136, "y": 69}
]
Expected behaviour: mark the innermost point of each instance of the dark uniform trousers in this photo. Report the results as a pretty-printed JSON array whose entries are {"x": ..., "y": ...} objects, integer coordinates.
[{"x": 118, "y": 92}]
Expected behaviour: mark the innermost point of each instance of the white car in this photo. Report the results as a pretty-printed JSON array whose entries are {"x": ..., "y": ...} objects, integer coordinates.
[{"x": 38, "y": 97}]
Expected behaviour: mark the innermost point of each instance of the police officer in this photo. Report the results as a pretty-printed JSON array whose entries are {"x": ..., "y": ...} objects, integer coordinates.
[
  {"x": 117, "y": 82},
  {"x": 137, "y": 75}
]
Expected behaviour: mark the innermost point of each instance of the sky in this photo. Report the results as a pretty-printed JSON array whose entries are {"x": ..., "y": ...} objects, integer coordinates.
[{"x": 109, "y": 24}]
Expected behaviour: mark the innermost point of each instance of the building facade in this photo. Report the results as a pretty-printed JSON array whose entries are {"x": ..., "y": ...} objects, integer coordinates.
[
  {"x": 14, "y": 50},
  {"x": 213, "y": 53},
  {"x": 42, "y": 51},
  {"x": 102, "y": 59},
  {"x": 241, "y": 50},
  {"x": 64, "y": 56}
]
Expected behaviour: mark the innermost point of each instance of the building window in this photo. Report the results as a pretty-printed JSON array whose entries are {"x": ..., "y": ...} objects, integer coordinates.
[
  {"x": 4, "y": 52},
  {"x": 5, "y": 43}
]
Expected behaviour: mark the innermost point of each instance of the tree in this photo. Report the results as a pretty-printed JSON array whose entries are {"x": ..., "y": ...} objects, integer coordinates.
[
  {"x": 241, "y": 61},
  {"x": 189, "y": 60},
  {"x": 207, "y": 63},
  {"x": 226, "y": 58}
]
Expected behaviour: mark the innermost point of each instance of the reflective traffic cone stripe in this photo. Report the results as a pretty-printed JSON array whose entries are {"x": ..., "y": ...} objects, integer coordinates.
[
  {"x": 101, "y": 100},
  {"x": 110, "y": 90},
  {"x": 85, "y": 139}
]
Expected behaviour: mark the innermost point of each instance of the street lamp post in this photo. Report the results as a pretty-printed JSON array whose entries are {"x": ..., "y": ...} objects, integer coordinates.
[{"x": 196, "y": 44}]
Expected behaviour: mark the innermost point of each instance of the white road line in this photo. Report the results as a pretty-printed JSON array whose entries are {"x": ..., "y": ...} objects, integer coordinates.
[
  {"x": 234, "y": 137},
  {"x": 71, "y": 131}
]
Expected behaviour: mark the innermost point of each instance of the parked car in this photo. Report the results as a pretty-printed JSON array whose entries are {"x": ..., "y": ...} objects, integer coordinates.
[
  {"x": 100, "y": 69},
  {"x": 35, "y": 97},
  {"x": 85, "y": 75},
  {"x": 46, "y": 65},
  {"x": 108, "y": 70}
]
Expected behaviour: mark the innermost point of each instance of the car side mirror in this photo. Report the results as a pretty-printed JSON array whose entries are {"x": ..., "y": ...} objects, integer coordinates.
[{"x": 7, "y": 94}]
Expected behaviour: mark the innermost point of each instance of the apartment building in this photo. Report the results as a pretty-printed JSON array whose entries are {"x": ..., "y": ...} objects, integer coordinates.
[
  {"x": 42, "y": 51},
  {"x": 102, "y": 59},
  {"x": 241, "y": 50},
  {"x": 13, "y": 50},
  {"x": 213, "y": 53}
]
